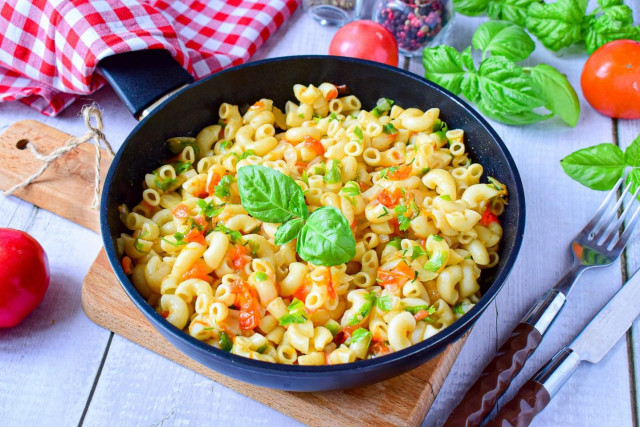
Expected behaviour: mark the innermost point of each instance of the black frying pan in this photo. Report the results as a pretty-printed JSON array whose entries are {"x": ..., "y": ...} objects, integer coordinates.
[{"x": 196, "y": 106}]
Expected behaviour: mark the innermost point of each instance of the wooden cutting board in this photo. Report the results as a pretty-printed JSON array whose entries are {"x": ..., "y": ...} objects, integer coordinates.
[{"x": 66, "y": 189}]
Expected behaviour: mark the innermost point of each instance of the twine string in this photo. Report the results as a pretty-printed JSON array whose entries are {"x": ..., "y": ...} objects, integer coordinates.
[{"x": 93, "y": 132}]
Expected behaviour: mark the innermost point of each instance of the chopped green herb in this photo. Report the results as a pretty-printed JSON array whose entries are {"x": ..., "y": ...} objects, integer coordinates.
[
  {"x": 317, "y": 118},
  {"x": 193, "y": 224},
  {"x": 494, "y": 183},
  {"x": 437, "y": 238},
  {"x": 260, "y": 276},
  {"x": 436, "y": 261},
  {"x": 224, "y": 341},
  {"x": 460, "y": 308},
  {"x": 221, "y": 123},
  {"x": 440, "y": 128},
  {"x": 361, "y": 334},
  {"x": 334, "y": 116},
  {"x": 403, "y": 221},
  {"x": 181, "y": 166},
  {"x": 255, "y": 247},
  {"x": 163, "y": 184},
  {"x": 424, "y": 170},
  {"x": 177, "y": 144},
  {"x": 446, "y": 197},
  {"x": 389, "y": 129},
  {"x": 382, "y": 106},
  {"x": 225, "y": 145},
  {"x": 384, "y": 303},
  {"x": 416, "y": 308},
  {"x": 247, "y": 154},
  {"x": 262, "y": 348},
  {"x": 396, "y": 243},
  {"x": 357, "y": 131},
  {"x": 305, "y": 177},
  {"x": 351, "y": 189},
  {"x": 223, "y": 188},
  {"x": 364, "y": 311},
  {"x": 301, "y": 115},
  {"x": 320, "y": 169},
  {"x": 333, "y": 327},
  {"x": 334, "y": 174},
  {"x": 179, "y": 240},
  {"x": 417, "y": 252},
  {"x": 210, "y": 209},
  {"x": 297, "y": 313},
  {"x": 236, "y": 236},
  {"x": 386, "y": 212},
  {"x": 383, "y": 174}
]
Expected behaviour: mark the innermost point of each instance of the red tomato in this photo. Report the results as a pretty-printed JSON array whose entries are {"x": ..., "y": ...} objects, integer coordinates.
[
  {"x": 24, "y": 276},
  {"x": 366, "y": 40},
  {"x": 611, "y": 79}
]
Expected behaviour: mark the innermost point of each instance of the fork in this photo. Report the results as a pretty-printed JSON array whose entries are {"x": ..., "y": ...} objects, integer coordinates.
[{"x": 597, "y": 245}]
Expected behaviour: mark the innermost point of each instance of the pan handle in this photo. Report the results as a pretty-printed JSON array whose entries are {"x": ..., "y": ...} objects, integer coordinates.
[{"x": 142, "y": 77}]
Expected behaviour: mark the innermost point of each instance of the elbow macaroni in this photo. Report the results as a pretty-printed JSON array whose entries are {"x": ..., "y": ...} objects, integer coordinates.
[{"x": 424, "y": 225}]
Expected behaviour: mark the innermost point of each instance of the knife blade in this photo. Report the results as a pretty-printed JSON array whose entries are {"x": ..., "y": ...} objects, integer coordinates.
[{"x": 591, "y": 345}]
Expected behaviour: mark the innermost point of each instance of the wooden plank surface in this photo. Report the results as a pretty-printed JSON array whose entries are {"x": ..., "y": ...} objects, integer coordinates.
[{"x": 53, "y": 369}]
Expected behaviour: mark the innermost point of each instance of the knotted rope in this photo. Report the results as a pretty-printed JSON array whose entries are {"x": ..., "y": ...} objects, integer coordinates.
[{"x": 93, "y": 132}]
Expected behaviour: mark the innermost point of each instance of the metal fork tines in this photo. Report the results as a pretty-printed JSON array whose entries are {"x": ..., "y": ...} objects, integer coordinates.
[{"x": 599, "y": 242}]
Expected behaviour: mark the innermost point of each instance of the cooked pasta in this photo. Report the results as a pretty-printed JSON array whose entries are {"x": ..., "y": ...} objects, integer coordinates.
[{"x": 424, "y": 227}]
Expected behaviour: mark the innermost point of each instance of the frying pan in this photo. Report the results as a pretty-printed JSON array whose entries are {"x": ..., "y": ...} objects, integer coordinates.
[{"x": 194, "y": 107}]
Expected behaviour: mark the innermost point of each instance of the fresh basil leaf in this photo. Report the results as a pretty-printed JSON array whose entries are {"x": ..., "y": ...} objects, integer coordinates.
[
  {"x": 361, "y": 334},
  {"x": 288, "y": 231},
  {"x": 632, "y": 153},
  {"x": 326, "y": 239},
  {"x": 560, "y": 98},
  {"x": 612, "y": 21},
  {"x": 504, "y": 39},
  {"x": 515, "y": 11},
  {"x": 269, "y": 195},
  {"x": 224, "y": 342},
  {"x": 506, "y": 86},
  {"x": 558, "y": 24},
  {"x": 515, "y": 119},
  {"x": 598, "y": 167},
  {"x": 443, "y": 65},
  {"x": 471, "y": 7},
  {"x": 634, "y": 179},
  {"x": 384, "y": 303}
]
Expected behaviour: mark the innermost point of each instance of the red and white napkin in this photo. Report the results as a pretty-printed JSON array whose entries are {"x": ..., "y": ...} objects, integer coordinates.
[{"x": 49, "y": 49}]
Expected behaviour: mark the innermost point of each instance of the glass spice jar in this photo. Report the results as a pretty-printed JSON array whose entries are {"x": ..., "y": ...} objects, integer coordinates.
[
  {"x": 414, "y": 23},
  {"x": 334, "y": 12}
]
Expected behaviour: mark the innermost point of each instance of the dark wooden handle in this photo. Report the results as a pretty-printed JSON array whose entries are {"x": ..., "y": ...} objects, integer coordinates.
[
  {"x": 496, "y": 377},
  {"x": 531, "y": 399}
]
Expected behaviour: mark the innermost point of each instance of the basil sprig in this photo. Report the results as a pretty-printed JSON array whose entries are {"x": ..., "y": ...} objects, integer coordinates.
[
  {"x": 599, "y": 167},
  {"x": 561, "y": 23},
  {"x": 323, "y": 238},
  {"x": 499, "y": 87}
]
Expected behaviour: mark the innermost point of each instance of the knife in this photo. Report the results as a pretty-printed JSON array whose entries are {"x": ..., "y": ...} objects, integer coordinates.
[{"x": 591, "y": 345}]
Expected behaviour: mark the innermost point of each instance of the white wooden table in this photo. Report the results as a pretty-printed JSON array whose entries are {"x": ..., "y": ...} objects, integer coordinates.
[{"x": 58, "y": 368}]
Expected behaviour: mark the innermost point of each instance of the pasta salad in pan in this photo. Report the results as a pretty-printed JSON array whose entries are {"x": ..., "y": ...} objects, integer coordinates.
[{"x": 321, "y": 234}]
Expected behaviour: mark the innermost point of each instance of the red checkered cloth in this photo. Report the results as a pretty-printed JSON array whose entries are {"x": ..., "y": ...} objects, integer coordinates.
[{"x": 49, "y": 49}]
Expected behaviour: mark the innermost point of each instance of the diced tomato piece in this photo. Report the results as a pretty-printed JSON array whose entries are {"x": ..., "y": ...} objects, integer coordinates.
[
  {"x": 421, "y": 314},
  {"x": 364, "y": 186},
  {"x": 396, "y": 226},
  {"x": 488, "y": 218},
  {"x": 199, "y": 270},
  {"x": 127, "y": 265},
  {"x": 401, "y": 173},
  {"x": 379, "y": 348},
  {"x": 389, "y": 199},
  {"x": 398, "y": 276},
  {"x": 215, "y": 180},
  {"x": 314, "y": 145},
  {"x": 181, "y": 211},
  {"x": 302, "y": 164},
  {"x": 301, "y": 293},
  {"x": 239, "y": 257},
  {"x": 257, "y": 105},
  {"x": 247, "y": 299},
  {"x": 165, "y": 313},
  {"x": 195, "y": 236},
  {"x": 201, "y": 221},
  {"x": 332, "y": 94}
]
